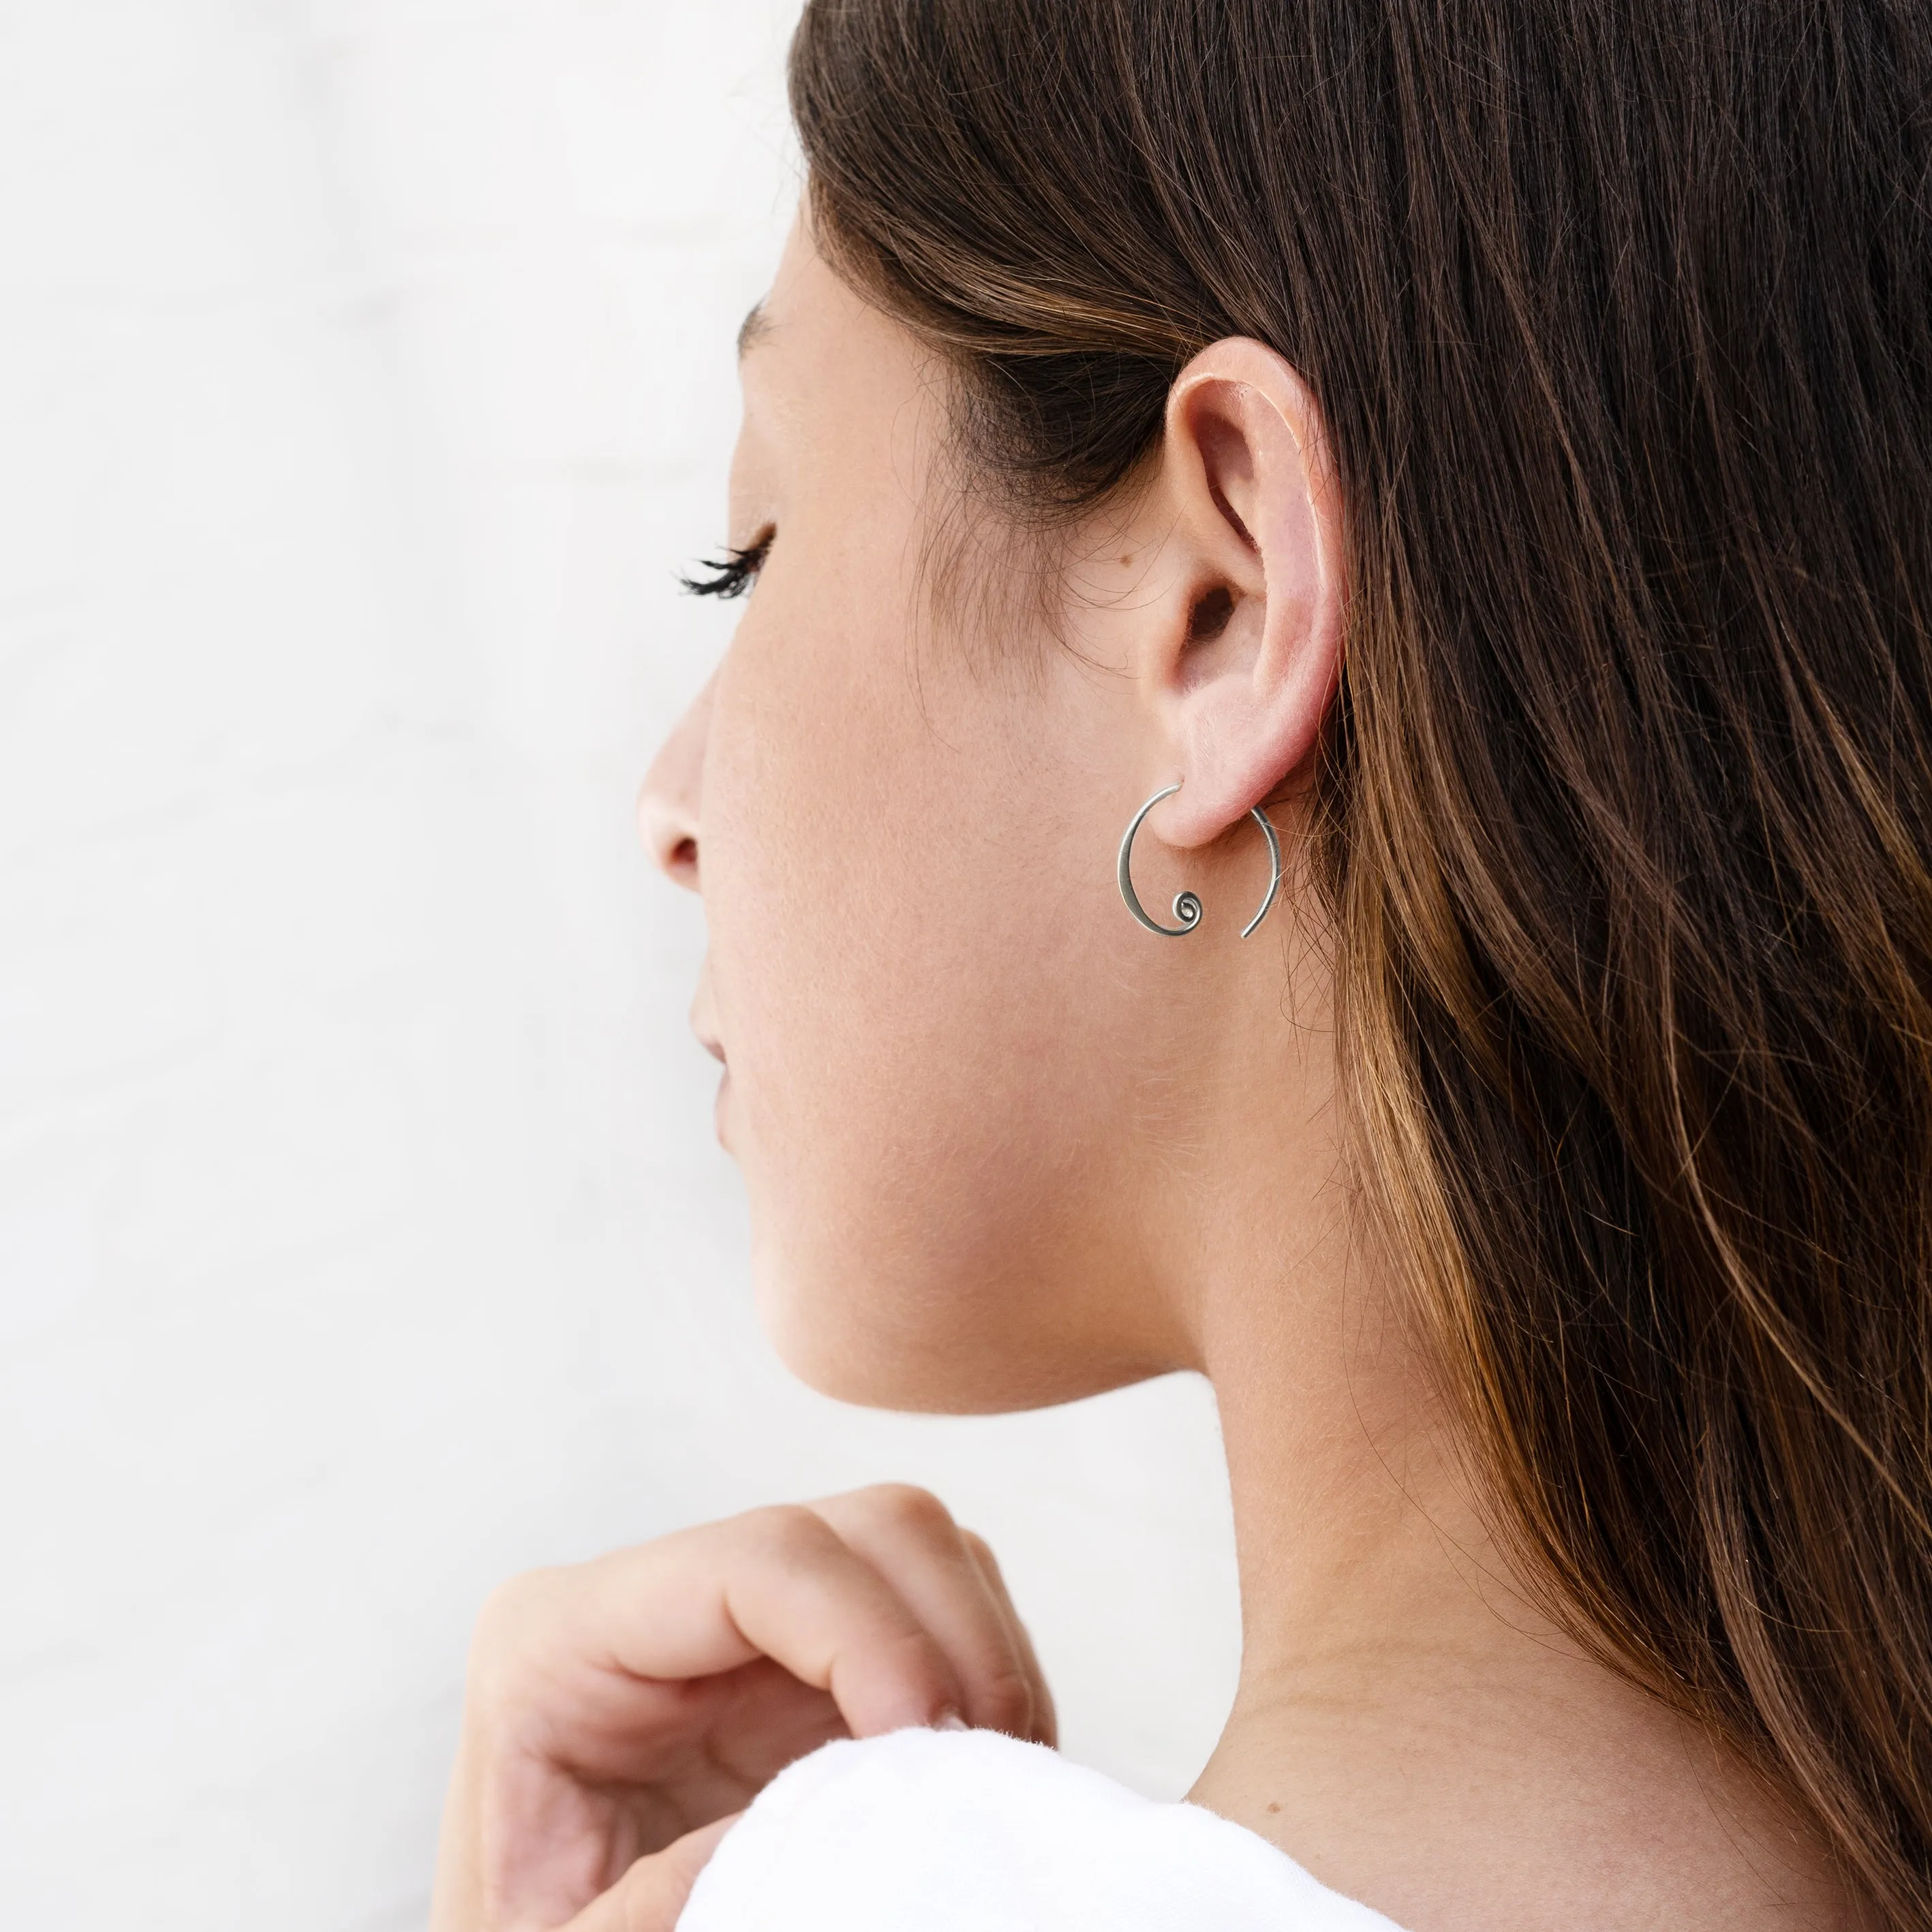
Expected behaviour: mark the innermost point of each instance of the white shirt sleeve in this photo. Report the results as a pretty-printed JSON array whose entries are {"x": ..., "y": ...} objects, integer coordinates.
[{"x": 971, "y": 1831}]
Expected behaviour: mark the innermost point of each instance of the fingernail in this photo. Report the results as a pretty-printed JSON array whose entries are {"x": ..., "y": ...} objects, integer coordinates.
[{"x": 949, "y": 1720}]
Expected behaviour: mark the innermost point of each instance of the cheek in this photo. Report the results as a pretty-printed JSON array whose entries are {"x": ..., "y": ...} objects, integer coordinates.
[{"x": 903, "y": 942}]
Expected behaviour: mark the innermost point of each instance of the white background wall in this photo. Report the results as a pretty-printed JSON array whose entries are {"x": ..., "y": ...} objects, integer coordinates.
[{"x": 365, "y": 376}]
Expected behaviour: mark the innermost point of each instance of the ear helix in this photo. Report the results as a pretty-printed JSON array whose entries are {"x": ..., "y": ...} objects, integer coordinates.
[{"x": 1186, "y": 906}]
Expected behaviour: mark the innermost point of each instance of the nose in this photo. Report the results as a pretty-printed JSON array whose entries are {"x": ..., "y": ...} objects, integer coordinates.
[{"x": 667, "y": 805}]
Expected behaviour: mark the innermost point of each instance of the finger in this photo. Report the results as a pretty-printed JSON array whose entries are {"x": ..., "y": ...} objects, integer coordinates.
[
  {"x": 651, "y": 1895},
  {"x": 1045, "y": 1720},
  {"x": 909, "y": 1537},
  {"x": 778, "y": 1583}
]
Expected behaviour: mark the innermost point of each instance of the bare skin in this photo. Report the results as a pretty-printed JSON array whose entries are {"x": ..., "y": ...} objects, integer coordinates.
[
  {"x": 620, "y": 1715},
  {"x": 1003, "y": 1147}
]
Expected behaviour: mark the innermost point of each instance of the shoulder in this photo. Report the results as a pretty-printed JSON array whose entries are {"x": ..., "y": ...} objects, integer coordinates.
[{"x": 970, "y": 1832}]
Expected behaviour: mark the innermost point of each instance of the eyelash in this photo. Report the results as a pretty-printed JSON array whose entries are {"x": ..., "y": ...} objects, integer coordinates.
[{"x": 732, "y": 574}]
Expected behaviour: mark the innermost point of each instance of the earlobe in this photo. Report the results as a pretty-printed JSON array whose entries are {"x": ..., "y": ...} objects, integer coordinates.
[{"x": 1244, "y": 679}]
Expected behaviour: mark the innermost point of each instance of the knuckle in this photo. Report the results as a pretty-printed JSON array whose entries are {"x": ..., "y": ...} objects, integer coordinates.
[
  {"x": 983, "y": 1553},
  {"x": 509, "y": 1607},
  {"x": 787, "y": 1533},
  {"x": 906, "y": 1507},
  {"x": 508, "y": 1629}
]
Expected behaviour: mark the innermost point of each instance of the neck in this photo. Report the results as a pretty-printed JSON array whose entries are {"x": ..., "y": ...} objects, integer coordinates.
[{"x": 1408, "y": 1725}]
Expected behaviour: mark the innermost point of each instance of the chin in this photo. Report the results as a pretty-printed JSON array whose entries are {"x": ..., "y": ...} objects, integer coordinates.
[
  {"x": 856, "y": 1346},
  {"x": 931, "y": 1345}
]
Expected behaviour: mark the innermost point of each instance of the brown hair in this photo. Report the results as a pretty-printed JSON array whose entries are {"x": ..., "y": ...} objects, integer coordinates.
[{"x": 1618, "y": 311}]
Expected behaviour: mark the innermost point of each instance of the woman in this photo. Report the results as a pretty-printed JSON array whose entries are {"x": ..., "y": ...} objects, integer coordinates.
[{"x": 1481, "y": 447}]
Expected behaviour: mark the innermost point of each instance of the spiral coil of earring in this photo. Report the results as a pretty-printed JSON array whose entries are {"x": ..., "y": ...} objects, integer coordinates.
[{"x": 1187, "y": 906}]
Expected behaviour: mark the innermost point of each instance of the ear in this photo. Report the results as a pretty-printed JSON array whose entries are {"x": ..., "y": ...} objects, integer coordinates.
[{"x": 1242, "y": 659}]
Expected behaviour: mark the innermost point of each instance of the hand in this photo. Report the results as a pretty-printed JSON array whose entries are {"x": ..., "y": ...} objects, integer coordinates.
[{"x": 619, "y": 1714}]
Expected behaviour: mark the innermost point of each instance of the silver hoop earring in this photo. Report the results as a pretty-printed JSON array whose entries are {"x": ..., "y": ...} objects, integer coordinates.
[{"x": 1186, "y": 906}]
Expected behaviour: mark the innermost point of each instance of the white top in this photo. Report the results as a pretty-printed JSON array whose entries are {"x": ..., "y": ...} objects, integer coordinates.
[{"x": 971, "y": 1831}]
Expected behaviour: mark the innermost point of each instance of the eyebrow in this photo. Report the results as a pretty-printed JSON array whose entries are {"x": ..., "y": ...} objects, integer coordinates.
[{"x": 753, "y": 330}]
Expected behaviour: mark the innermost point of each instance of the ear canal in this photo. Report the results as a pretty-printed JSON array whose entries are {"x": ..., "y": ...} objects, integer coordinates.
[{"x": 1210, "y": 615}]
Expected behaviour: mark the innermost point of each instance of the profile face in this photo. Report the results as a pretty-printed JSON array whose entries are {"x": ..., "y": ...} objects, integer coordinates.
[{"x": 947, "y": 1046}]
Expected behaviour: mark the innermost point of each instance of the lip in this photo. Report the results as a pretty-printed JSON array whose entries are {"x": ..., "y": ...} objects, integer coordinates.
[
  {"x": 704, "y": 1015},
  {"x": 716, "y": 1050},
  {"x": 703, "y": 1024}
]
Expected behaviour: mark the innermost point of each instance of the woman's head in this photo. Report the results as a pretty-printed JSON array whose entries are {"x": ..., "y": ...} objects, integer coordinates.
[
  {"x": 961, "y": 1081},
  {"x": 1587, "y": 399}
]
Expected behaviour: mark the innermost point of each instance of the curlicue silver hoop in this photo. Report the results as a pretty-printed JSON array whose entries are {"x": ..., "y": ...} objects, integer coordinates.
[{"x": 1186, "y": 906}]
